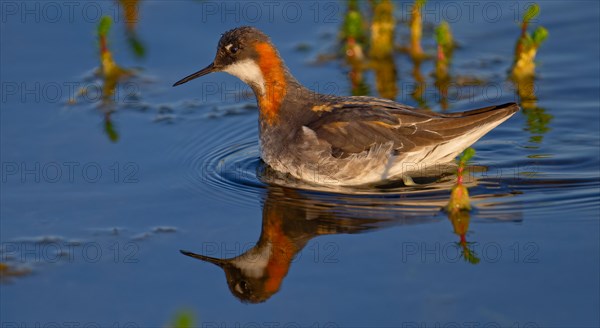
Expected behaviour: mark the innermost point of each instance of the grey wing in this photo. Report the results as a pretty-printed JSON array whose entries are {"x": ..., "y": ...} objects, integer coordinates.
[{"x": 358, "y": 126}]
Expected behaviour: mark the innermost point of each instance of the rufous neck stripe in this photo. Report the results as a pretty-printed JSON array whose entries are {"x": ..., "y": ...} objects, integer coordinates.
[{"x": 273, "y": 72}]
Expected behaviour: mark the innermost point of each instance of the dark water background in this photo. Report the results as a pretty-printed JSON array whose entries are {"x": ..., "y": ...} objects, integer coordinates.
[{"x": 183, "y": 175}]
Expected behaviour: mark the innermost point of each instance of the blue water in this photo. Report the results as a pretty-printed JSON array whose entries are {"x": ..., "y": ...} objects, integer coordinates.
[{"x": 95, "y": 226}]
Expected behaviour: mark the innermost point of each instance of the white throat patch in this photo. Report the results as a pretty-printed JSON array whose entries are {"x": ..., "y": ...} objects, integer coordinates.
[{"x": 249, "y": 72}]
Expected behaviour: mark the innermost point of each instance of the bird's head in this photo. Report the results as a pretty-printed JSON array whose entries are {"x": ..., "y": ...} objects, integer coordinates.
[
  {"x": 246, "y": 278},
  {"x": 247, "y": 53}
]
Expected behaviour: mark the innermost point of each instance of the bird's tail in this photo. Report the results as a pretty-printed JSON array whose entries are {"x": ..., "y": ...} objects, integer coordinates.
[
  {"x": 485, "y": 118},
  {"x": 460, "y": 130}
]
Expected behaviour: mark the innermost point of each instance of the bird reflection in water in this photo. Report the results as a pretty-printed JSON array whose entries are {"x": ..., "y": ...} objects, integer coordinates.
[
  {"x": 290, "y": 221},
  {"x": 292, "y": 217}
]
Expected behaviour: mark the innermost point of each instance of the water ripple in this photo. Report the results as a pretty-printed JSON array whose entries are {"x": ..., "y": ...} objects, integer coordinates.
[{"x": 225, "y": 165}]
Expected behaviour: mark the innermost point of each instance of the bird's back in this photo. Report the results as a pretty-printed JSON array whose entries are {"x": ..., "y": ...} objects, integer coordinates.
[
  {"x": 359, "y": 123},
  {"x": 360, "y": 140}
]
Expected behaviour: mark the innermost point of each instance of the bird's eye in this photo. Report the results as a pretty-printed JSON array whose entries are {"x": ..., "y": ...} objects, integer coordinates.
[
  {"x": 231, "y": 48},
  {"x": 241, "y": 287}
]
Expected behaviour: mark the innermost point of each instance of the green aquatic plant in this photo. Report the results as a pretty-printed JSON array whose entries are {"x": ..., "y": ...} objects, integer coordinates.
[
  {"x": 385, "y": 77},
  {"x": 528, "y": 45},
  {"x": 416, "y": 53},
  {"x": 523, "y": 74},
  {"x": 104, "y": 26},
  {"x": 183, "y": 319},
  {"x": 109, "y": 70},
  {"x": 538, "y": 120},
  {"x": 460, "y": 223},
  {"x": 353, "y": 39},
  {"x": 531, "y": 13},
  {"x": 109, "y": 128},
  {"x": 444, "y": 38},
  {"x": 381, "y": 49},
  {"x": 525, "y": 61},
  {"x": 459, "y": 196},
  {"x": 463, "y": 160},
  {"x": 353, "y": 27},
  {"x": 459, "y": 207},
  {"x": 416, "y": 29},
  {"x": 131, "y": 17},
  {"x": 418, "y": 93},
  {"x": 109, "y": 74},
  {"x": 136, "y": 45},
  {"x": 445, "y": 48},
  {"x": 382, "y": 29}
]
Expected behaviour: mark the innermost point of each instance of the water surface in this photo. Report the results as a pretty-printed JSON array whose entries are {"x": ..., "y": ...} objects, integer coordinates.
[{"x": 101, "y": 245}]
